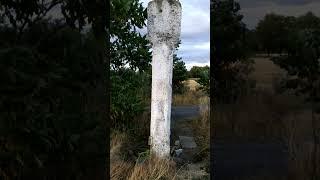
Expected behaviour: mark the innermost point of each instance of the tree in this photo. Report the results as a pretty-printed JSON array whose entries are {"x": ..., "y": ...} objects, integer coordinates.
[
  {"x": 52, "y": 121},
  {"x": 229, "y": 47},
  {"x": 308, "y": 21},
  {"x": 204, "y": 79},
  {"x": 272, "y": 32},
  {"x": 303, "y": 66},
  {"x": 130, "y": 62},
  {"x": 253, "y": 42},
  {"x": 52, "y": 71},
  {"x": 196, "y": 71},
  {"x": 128, "y": 46},
  {"x": 179, "y": 74},
  {"x": 50, "y": 100}
]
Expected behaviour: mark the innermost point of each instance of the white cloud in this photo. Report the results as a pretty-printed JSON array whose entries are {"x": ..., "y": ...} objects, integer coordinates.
[
  {"x": 195, "y": 30},
  {"x": 196, "y": 46},
  {"x": 195, "y": 19},
  {"x": 252, "y": 15},
  {"x": 189, "y": 65}
]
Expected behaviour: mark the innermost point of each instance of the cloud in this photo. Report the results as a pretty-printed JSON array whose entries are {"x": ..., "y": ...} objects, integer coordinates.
[
  {"x": 254, "y": 12},
  {"x": 255, "y": 3},
  {"x": 195, "y": 31},
  {"x": 191, "y": 64}
]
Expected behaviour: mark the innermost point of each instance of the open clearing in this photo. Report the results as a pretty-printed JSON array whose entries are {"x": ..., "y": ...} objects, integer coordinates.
[{"x": 266, "y": 72}]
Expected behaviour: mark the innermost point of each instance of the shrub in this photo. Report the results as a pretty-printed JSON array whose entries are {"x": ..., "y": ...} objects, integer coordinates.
[{"x": 127, "y": 93}]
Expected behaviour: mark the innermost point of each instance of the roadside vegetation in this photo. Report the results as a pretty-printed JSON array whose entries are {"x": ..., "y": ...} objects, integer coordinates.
[
  {"x": 131, "y": 96},
  {"x": 266, "y": 83},
  {"x": 52, "y": 122}
]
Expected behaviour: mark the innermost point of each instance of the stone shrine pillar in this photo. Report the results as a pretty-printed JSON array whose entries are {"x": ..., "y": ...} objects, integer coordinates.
[{"x": 164, "y": 26}]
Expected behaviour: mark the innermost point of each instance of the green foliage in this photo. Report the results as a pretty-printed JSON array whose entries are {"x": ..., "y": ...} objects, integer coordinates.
[
  {"x": 143, "y": 156},
  {"x": 308, "y": 21},
  {"x": 197, "y": 71},
  {"x": 127, "y": 97},
  {"x": 130, "y": 63},
  {"x": 203, "y": 75},
  {"x": 77, "y": 14},
  {"x": 302, "y": 42},
  {"x": 275, "y": 32},
  {"x": 128, "y": 46},
  {"x": 302, "y": 64},
  {"x": 204, "y": 79},
  {"x": 272, "y": 32},
  {"x": 50, "y": 118},
  {"x": 180, "y": 74},
  {"x": 52, "y": 122}
]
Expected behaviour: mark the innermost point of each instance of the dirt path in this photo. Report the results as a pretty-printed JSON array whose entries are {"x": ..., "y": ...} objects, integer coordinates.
[
  {"x": 183, "y": 133},
  {"x": 243, "y": 160},
  {"x": 231, "y": 159}
]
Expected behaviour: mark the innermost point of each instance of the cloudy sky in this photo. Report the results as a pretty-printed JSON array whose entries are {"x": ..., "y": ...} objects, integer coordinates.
[
  {"x": 254, "y": 10},
  {"x": 195, "y": 35},
  {"x": 195, "y": 32}
]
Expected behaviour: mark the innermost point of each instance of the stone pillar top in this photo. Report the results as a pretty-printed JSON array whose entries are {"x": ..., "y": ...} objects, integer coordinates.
[{"x": 164, "y": 21}]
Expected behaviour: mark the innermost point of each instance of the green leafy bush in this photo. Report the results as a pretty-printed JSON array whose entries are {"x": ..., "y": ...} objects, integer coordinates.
[
  {"x": 51, "y": 119},
  {"x": 127, "y": 93}
]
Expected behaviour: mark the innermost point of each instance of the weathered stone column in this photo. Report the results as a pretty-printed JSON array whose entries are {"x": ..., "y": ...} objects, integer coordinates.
[{"x": 164, "y": 26}]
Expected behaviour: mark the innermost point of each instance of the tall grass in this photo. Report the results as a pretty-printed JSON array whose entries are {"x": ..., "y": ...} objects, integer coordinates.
[
  {"x": 129, "y": 157},
  {"x": 146, "y": 168},
  {"x": 201, "y": 125},
  {"x": 191, "y": 94},
  {"x": 154, "y": 169},
  {"x": 268, "y": 115},
  {"x": 129, "y": 154},
  {"x": 187, "y": 98},
  {"x": 201, "y": 129},
  {"x": 271, "y": 117}
]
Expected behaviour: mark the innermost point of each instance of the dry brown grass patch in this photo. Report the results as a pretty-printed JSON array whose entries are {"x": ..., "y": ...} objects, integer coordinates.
[
  {"x": 122, "y": 168},
  {"x": 151, "y": 169},
  {"x": 187, "y": 98},
  {"x": 201, "y": 128},
  {"x": 191, "y": 96},
  {"x": 154, "y": 169}
]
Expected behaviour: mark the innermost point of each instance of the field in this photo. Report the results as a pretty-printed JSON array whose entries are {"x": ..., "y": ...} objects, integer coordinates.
[
  {"x": 191, "y": 95},
  {"x": 266, "y": 72},
  {"x": 266, "y": 115}
]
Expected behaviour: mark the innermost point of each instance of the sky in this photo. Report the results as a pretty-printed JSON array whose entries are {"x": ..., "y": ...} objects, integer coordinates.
[
  {"x": 254, "y": 10},
  {"x": 195, "y": 32}
]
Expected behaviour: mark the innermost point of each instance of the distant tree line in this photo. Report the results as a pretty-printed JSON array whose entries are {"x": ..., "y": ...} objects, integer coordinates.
[
  {"x": 231, "y": 51},
  {"x": 299, "y": 39},
  {"x": 276, "y": 33}
]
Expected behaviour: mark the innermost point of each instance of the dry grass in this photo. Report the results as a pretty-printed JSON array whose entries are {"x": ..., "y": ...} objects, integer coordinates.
[
  {"x": 247, "y": 118},
  {"x": 292, "y": 116},
  {"x": 187, "y": 98},
  {"x": 192, "y": 84},
  {"x": 191, "y": 96},
  {"x": 126, "y": 159},
  {"x": 125, "y": 144},
  {"x": 201, "y": 129},
  {"x": 201, "y": 125},
  {"x": 265, "y": 72},
  {"x": 300, "y": 148},
  {"x": 150, "y": 168},
  {"x": 154, "y": 169},
  {"x": 267, "y": 115}
]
